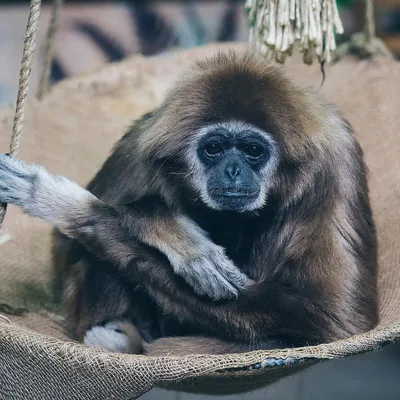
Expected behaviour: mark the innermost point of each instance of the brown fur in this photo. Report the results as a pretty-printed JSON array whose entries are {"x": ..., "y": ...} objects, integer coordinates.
[{"x": 311, "y": 250}]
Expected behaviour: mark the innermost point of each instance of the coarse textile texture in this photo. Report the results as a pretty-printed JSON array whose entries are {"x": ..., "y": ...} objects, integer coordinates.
[{"x": 71, "y": 132}]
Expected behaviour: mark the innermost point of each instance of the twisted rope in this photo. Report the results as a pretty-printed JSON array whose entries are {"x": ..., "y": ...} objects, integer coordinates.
[
  {"x": 25, "y": 74},
  {"x": 369, "y": 20}
]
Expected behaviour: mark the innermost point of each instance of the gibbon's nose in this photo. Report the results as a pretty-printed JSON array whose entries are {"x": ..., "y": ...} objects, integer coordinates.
[{"x": 233, "y": 170}]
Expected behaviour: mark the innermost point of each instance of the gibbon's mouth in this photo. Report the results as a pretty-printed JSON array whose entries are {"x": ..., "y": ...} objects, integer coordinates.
[
  {"x": 237, "y": 194},
  {"x": 234, "y": 199},
  {"x": 234, "y": 192}
]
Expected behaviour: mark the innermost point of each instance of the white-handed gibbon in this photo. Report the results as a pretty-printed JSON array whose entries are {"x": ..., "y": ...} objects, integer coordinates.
[{"x": 233, "y": 217}]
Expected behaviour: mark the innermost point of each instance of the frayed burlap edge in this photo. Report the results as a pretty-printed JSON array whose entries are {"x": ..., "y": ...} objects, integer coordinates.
[{"x": 138, "y": 374}]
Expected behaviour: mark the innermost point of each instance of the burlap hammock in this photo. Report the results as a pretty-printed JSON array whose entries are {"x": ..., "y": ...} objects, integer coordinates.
[{"x": 71, "y": 132}]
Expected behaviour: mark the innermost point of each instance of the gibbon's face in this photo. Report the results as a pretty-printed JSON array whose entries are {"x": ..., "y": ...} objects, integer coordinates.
[
  {"x": 232, "y": 162},
  {"x": 229, "y": 123}
]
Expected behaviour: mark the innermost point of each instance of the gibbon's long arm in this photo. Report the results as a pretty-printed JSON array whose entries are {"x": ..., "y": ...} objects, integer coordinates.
[{"x": 109, "y": 232}]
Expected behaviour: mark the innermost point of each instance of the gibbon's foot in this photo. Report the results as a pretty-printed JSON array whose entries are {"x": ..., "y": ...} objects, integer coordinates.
[{"x": 114, "y": 336}]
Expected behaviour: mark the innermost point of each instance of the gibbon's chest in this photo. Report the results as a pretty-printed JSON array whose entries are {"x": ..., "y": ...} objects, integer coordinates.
[{"x": 236, "y": 237}]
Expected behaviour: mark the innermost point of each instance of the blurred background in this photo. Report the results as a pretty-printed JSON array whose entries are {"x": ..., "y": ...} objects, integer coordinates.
[{"x": 93, "y": 33}]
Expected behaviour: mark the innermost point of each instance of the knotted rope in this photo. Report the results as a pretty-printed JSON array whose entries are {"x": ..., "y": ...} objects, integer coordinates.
[{"x": 364, "y": 44}]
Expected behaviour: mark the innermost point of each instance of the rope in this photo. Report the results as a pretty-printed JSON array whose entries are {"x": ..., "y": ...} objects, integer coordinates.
[
  {"x": 50, "y": 40},
  {"x": 25, "y": 73},
  {"x": 24, "y": 76},
  {"x": 369, "y": 20},
  {"x": 5, "y": 319}
]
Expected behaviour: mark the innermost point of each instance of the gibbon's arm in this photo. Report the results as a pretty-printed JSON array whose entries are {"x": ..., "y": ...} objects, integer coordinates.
[
  {"x": 109, "y": 231},
  {"x": 262, "y": 311}
]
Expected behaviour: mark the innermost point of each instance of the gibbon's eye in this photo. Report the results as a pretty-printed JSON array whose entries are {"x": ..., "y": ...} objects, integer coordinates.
[
  {"x": 253, "y": 150},
  {"x": 213, "y": 149}
]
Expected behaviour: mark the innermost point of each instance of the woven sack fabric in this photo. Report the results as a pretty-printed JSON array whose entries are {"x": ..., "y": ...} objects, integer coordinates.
[{"x": 71, "y": 132}]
